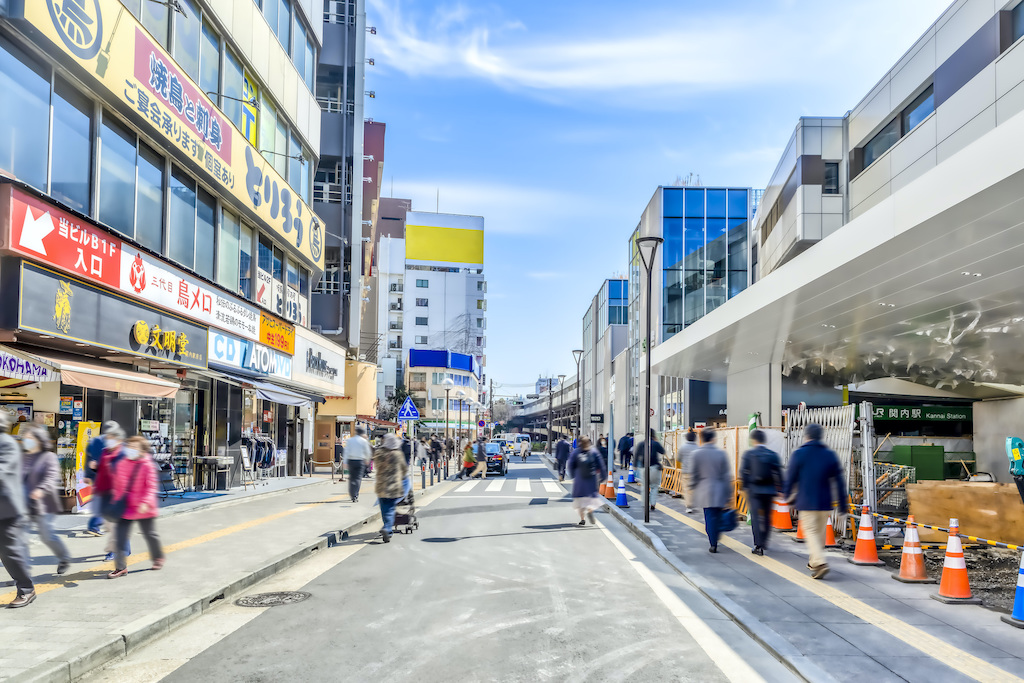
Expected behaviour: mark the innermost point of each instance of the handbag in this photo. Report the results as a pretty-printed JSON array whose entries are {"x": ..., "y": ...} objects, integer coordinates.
[
  {"x": 727, "y": 520},
  {"x": 113, "y": 510}
]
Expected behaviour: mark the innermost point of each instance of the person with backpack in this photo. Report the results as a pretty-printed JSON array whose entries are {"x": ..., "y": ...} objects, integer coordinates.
[
  {"x": 587, "y": 469},
  {"x": 761, "y": 477}
]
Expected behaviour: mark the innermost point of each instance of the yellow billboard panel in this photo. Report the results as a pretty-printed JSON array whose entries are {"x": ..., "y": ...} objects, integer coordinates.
[
  {"x": 448, "y": 245},
  {"x": 105, "y": 40}
]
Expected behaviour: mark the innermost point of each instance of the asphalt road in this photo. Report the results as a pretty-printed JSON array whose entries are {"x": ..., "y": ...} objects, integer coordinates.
[{"x": 497, "y": 584}]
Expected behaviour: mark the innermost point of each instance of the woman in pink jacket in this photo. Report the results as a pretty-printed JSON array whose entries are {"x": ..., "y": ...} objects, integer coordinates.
[{"x": 135, "y": 481}]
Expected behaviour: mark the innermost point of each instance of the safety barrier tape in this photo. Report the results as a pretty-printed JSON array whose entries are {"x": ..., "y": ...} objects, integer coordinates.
[{"x": 974, "y": 539}]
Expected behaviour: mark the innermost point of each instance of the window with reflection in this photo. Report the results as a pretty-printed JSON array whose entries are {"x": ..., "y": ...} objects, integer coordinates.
[
  {"x": 206, "y": 233},
  {"x": 156, "y": 19},
  {"x": 295, "y": 164},
  {"x": 268, "y": 128},
  {"x": 149, "y": 211},
  {"x": 71, "y": 164},
  {"x": 187, "y": 30},
  {"x": 918, "y": 110},
  {"x": 24, "y": 115},
  {"x": 209, "y": 63},
  {"x": 117, "y": 177},
  {"x": 228, "y": 251},
  {"x": 233, "y": 87},
  {"x": 182, "y": 226},
  {"x": 831, "y": 183},
  {"x": 881, "y": 143},
  {"x": 245, "y": 236}
]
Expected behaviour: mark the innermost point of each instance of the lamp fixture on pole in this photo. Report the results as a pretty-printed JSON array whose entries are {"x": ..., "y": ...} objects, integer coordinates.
[
  {"x": 577, "y": 354},
  {"x": 447, "y": 384},
  {"x": 648, "y": 247},
  {"x": 561, "y": 390}
]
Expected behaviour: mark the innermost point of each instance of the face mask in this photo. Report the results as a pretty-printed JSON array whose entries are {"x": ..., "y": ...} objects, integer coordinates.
[
  {"x": 132, "y": 453},
  {"x": 30, "y": 444},
  {"x": 110, "y": 442}
]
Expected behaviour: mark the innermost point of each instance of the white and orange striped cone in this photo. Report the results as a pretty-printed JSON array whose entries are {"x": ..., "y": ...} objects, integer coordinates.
[
  {"x": 912, "y": 569},
  {"x": 799, "y": 538},
  {"x": 782, "y": 520},
  {"x": 866, "y": 552},
  {"x": 955, "y": 589},
  {"x": 830, "y": 535},
  {"x": 1016, "y": 618},
  {"x": 608, "y": 488}
]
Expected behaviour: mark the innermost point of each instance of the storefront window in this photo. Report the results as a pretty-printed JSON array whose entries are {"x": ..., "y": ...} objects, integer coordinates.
[
  {"x": 245, "y": 261},
  {"x": 182, "y": 218},
  {"x": 228, "y": 251},
  {"x": 149, "y": 219},
  {"x": 206, "y": 254},
  {"x": 117, "y": 177},
  {"x": 24, "y": 116},
  {"x": 72, "y": 147}
]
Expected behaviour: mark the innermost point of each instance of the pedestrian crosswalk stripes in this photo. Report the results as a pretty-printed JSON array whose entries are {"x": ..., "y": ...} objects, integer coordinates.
[{"x": 522, "y": 485}]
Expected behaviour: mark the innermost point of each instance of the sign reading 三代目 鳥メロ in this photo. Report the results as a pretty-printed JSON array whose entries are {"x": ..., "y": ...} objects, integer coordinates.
[
  {"x": 43, "y": 232},
  {"x": 244, "y": 354},
  {"x": 104, "y": 39},
  {"x": 277, "y": 334},
  {"x": 925, "y": 413},
  {"x": 64, "y": 307}
]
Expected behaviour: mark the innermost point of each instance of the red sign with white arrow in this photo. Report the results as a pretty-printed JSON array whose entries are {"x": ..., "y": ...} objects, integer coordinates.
[{"x": 42, "y": 232}]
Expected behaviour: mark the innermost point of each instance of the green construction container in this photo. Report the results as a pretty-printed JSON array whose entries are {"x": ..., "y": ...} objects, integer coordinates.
[{"x": 929, "y": 461}]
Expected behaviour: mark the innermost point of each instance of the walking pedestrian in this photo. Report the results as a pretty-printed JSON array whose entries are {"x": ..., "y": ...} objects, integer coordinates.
[
  {"x": 357, "y": 452},
  {"x": 761, "y": 478},
  {"x": 468, "y": 461},
  {"x": 41, "y": 476},
  {"x": 392, "y": 471},
  {"x": 815, "y": 481},
  {"x": 110, "y": 434},
  {"x": 657, "y": 450},
  {"x": 562, "y": 452},
  {"x": 711, "y": 484},
  {"x": 13, "y": 517},
  {"x": 133, "y": 483},
  {"x": 586, "y": 469},
  {"x": 112, "y": 455},
  {"x": 481, "y": 460},
  {"x": 602, "y": 448},
  {"x": 626, "y": 450},
  {"x": 684, "y": 456}
]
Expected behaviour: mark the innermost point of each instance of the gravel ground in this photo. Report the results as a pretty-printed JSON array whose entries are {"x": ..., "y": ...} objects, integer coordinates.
[{"x": 992, "y": 572}]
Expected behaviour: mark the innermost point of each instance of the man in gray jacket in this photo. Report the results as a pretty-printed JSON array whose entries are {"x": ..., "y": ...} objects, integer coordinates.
[
  {"x": 711, "y": 484},
  {"x": 13, "y": 516},
  {"x": 357, "y": 454}
]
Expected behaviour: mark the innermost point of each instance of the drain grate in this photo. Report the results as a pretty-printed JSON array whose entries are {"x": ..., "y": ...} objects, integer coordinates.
[{"x": 272, "y": 599}]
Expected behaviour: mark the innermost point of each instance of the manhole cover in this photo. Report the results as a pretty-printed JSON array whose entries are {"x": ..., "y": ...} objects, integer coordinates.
[{"x": 272, "y": 599}]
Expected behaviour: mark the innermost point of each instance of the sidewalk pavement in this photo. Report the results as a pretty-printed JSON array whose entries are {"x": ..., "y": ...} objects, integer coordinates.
[
  {"x": 82, "y": 619},
  {"x": 857, "y": 624}
]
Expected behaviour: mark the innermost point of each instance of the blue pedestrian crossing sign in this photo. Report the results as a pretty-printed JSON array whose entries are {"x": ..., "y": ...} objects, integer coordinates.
[{"x": 408, "y": 410}]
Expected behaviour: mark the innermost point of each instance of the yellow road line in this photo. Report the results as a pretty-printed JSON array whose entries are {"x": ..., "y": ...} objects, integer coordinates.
[{"x": 936, "y": 648}]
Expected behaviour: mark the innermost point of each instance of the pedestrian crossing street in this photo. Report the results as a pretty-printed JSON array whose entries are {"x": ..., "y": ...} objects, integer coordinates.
[{"x": 501, "y": 485}]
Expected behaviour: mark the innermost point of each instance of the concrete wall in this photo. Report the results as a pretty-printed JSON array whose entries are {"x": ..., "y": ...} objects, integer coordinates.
[{"x": 993, "y": 422}]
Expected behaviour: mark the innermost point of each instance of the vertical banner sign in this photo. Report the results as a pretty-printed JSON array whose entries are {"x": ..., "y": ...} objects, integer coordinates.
[{"x": 87, "y": 431}]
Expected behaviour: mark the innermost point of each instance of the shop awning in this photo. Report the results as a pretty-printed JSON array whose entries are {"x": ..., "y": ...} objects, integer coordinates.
[
  {"x": 272, "y": 392},
  {"x": 90, "y": 376},
  {"x": 18, "y": 368}
]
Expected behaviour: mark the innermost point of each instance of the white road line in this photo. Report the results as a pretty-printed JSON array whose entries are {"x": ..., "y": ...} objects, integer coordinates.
[
  {"x": 522, "y": 485},
  {"x": 467, "y": 487},
  {"x": 495, "y": 485},
  {"x": 551, "y": 486},
  {"x": 724, "y": 657}
]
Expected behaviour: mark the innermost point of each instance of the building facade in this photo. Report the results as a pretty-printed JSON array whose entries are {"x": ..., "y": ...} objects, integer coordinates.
[
  {"x": 446, "y": 385},
  {"x": 605, "y": 331}
]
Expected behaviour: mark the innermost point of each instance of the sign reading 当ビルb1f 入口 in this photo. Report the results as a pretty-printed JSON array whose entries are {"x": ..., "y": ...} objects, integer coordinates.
[{"x": 105, "y": 40}]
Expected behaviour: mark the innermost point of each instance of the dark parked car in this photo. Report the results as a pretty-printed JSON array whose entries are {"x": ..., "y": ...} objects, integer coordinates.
[{"x": 497, "y": 460}]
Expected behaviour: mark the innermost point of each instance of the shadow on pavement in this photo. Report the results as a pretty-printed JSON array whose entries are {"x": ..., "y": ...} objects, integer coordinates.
[{"x": 560, "y": 527}]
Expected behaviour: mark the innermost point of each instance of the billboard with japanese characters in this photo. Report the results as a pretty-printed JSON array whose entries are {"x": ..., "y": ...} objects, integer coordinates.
[
  {"x": 44, "y": 233},
  {"x": 105, "y": 40},
  {"x": 54, "y": 304}
]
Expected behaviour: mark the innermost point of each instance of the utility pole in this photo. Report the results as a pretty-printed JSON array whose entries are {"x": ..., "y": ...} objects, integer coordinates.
[
  {"x": 550, "y": 399},
  {"x": 490, "y": 399}
]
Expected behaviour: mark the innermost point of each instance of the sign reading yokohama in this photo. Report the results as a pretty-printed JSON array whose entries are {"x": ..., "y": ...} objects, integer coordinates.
[{"x": 45, "y": 233}]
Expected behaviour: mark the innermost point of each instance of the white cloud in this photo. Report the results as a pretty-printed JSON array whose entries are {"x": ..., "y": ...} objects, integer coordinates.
[{"x": 669, "y": 54}]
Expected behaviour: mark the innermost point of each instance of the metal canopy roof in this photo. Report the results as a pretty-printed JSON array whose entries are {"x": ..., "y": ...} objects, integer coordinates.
[{"x": 928, "y": 286}]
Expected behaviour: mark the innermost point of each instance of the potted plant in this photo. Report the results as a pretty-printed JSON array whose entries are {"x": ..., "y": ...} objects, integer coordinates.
[{"x": 69, "y": 482}]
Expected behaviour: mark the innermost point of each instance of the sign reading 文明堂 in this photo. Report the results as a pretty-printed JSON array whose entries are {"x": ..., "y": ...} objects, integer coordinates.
[{"x": 104, "y": 38}]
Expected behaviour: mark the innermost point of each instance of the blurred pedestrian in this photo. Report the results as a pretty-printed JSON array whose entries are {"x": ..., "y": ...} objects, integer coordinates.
[
  {"x": 602, "y": 448},
  {"x": 357, "y": 453},
  {"x": 392, "y": 470},
  {"x": 524, "y": 449},
  {"x": 481, "y": 459},
  {"x": 761, "y": 478},
  {"x": 41, "y": 476},
  {"x": 815, "y": 481},
  {"x": 657, "y": 450},
  {"x": 133, "y": 485},
  {"x": 711, "y": 483},
  {"x": 684, "y": 456},
  {"x": 113, "y": 441},
  {"x": 586, "y": 469},
  {"x": 626, "y": 450},
  {"x": 110, "y": 434},
  {"x": 468, "y": 461},
  {"x": 13, "y": 517},
  {"x": 562, "y": 452}
]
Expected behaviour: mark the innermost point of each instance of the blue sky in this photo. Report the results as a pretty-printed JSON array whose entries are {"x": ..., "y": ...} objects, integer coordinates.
[{"x": 556, "y": 121}]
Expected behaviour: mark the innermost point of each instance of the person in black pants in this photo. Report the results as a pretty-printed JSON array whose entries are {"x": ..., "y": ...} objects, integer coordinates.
[
  {"x": 626, "y": 450},
  {"x": 14, "y": 517},
  {"x": 562, "y": 456},
  {"x": 761, "y": 478}
]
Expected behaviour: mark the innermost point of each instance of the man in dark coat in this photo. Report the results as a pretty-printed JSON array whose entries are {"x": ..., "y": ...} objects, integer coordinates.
[
  {"x": 626, "y": 450},
  {"x": 562, "y": 456},
  {"x": 761, "y": 477},
  {"x": 13, "y": 516},
  {"x": 817, "y": 475},
  {"x": 657, "y": 450}
]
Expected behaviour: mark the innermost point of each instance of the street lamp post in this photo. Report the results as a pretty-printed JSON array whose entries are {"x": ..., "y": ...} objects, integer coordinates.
[
  {"x": 448, "y": 383},
  {"x": 577, "y": 354},
  {"x": 648, "y": 247},
  {"x": 561, "y": 390},
  {"x": 461, "y": 394},
  {"x": 551, "y": 400}
]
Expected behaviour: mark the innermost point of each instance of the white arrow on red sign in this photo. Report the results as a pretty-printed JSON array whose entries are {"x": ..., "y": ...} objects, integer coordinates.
[{"x": 35, "y": 230}]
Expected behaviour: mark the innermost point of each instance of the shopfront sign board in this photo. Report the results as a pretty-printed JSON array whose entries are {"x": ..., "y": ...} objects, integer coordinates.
[
  {"x": 596, "y": 418},
  {"x": 277, "y": 333},
  {"x": 15, "y": 367},
  {"x": 117, "y": 57},
  {"x": 318, "y": 362},
  {"x": 65, "y": 405},
  {"x": 925, "y": 413},
  {"x": 64, "y": 307},
  {"x": 78, "y": 411},
  {"x": 43, "y": 232},
  {"x": 248, "y": 355}
]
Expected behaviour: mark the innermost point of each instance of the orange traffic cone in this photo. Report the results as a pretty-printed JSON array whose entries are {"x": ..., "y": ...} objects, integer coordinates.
[
  {"x": 608, "y": 488},
  {"x": 866, "y": 552},
  {"x": 912, "y": 569},
  {"x": 782, "y": 520},
  {"x": 954, "y": 588},
  {"x": 799, "y": 538},
  {"x": 830, "y": 535}
]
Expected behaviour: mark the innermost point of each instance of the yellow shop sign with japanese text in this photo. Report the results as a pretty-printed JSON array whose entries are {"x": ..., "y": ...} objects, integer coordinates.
[{"x": 106, "y": 40}]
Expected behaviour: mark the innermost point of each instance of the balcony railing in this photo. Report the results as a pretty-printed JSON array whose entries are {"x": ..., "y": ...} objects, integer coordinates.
[
  {"x": 397, "y": 288},
  {"x": 335, "y": 105},
  {"x": 394, "y": 345},
  {"x": 395, "y": 325},
  {"x": 417, "y": 386},
  {"x": 332, "y": 193}
]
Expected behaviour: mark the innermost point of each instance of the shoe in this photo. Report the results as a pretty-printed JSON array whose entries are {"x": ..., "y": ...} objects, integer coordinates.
[
  {"x": 158, "y": 564},
  {"x": 820, "y": 571},
  {"x": 386, "y": 535},
  {"x": 118, "y": 573},
  {"x": 582, "y": 523},
  {"x": 62, "y": 568},
  {"x": 713, "y": 549},
  {"x": 93, "y": 532},
  {"x": 759, "y": 551},
  {"x": 690, "y": 511},
  {"x": 22, "y": 600},
  {"x": 652, "y": 507},
  {"x": 590, "y": 516},
  {"x": 108, "y": 557}
]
